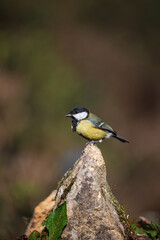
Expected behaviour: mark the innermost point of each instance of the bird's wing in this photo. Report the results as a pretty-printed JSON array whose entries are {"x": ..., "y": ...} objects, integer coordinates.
[{"x": 98, "y": 123}]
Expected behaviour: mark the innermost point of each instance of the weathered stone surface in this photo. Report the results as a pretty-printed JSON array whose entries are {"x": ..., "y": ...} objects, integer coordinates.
[{"x": 90, "y": 208}]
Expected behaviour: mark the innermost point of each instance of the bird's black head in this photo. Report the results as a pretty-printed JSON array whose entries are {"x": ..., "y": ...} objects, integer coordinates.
[{"x": 78, "y": 113}]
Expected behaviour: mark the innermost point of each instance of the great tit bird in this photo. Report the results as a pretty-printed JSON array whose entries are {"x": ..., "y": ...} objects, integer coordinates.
[{"x": 90, "y": 126}]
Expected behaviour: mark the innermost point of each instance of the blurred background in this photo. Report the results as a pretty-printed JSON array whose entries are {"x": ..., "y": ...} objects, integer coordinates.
[{"x": 55, "y": 55}]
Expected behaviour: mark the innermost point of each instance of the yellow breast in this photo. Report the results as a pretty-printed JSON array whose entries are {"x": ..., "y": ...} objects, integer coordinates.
[{"x": 87, "y": 129}]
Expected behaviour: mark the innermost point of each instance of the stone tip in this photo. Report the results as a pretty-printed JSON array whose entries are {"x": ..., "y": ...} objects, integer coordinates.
[{"x": 92, "y": 148}]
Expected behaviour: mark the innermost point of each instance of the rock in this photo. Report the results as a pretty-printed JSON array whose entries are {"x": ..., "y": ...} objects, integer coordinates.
[{"x": 92, "y": 210}]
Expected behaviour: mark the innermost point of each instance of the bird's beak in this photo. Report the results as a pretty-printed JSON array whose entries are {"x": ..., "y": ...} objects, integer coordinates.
[{"x": 68, "y": 115}]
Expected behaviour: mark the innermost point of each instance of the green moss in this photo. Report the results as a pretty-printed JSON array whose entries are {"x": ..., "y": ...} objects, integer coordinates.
[
  {"x": 63, "y": 179},
  {"x": 67, "y": 189},
  {"x": 67, "y": 174},
  {"x": 119, "y": 209}
]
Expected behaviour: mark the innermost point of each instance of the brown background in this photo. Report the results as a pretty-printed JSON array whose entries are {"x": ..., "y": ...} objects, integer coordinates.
[{"x": 55, "y": 55}]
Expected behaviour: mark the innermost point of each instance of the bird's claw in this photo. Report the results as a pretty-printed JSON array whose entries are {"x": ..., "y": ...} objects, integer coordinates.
[{"x": 91, "y": 142}]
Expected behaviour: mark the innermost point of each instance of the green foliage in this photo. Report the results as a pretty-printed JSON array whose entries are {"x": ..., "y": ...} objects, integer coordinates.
[
  {"x": 54, "y": 225},
  {"x": 55, "y": 222},
  {"x": 151, "y": 230},
  {"x": 34, "y": 235},
  {"x": 137, "y": 230}
]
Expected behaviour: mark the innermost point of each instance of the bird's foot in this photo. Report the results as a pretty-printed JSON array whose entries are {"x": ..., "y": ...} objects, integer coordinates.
[{"x": 88, "y": 143}]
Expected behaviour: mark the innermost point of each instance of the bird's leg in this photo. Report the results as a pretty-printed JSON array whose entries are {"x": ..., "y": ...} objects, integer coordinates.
[
  {"x": 89, "y": 143},
  {"x": 94, "y": 142}
]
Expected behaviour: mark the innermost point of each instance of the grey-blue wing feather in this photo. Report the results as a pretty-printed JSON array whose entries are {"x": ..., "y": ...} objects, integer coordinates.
[{"x": 98, "y": 123}]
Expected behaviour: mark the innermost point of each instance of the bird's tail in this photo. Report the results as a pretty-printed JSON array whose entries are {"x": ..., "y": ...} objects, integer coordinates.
[{"x": 120, "y": 138}]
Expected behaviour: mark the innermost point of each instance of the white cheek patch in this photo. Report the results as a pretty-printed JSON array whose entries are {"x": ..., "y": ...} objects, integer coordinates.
[
  {"x": 80, "y": 116},
  {"x": 109, "y": 135}
]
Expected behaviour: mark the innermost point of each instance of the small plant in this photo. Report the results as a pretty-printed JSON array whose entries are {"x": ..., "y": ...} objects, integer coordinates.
[
  {"x": 146, "y": 228},
  {"x": 54, "y": 225}
]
